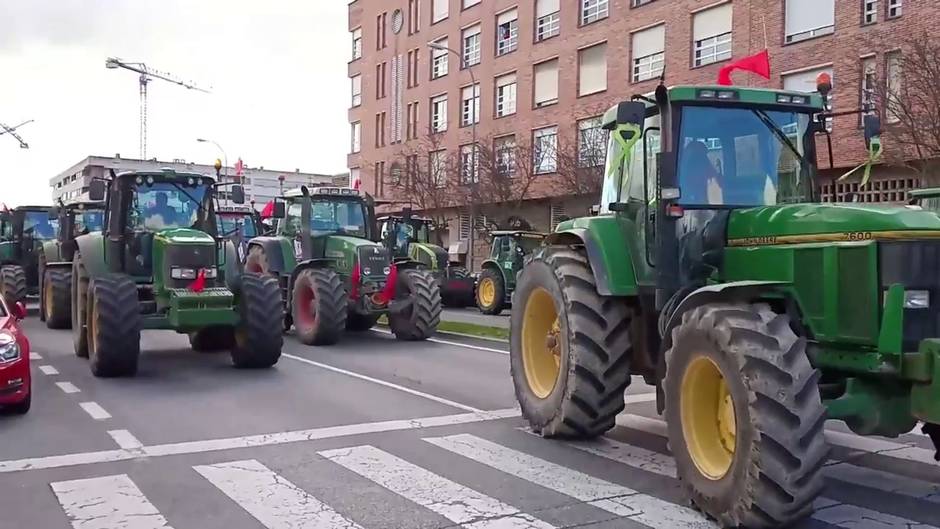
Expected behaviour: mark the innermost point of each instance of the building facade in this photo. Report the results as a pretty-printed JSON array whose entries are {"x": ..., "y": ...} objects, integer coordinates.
[
  {"x": 261, "y": 185},
  {"x": 428, "y": 77}
]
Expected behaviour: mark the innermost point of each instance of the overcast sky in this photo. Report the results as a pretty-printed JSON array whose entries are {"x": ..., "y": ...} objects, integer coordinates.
[{"x": 276, "y": 68}]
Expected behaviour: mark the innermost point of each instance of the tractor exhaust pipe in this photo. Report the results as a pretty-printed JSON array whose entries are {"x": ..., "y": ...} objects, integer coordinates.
[{"x": 306, "y": 210}]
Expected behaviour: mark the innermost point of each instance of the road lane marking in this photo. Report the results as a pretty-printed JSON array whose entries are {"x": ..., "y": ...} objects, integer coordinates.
[
  {"x": 48, "y": 370},
  {"x": 67, "y": 387},
  {"x": 106, "y": 503},
  {"x": 95, "y": 410},
  {"x": 459, "y": 504},
  {"x": 636, "y": 398},
  {"x": 125, "y": 439},
  {"x": 269, "y": 498},
  {"x": 456, "y": 344},
  {"x": 611, "y": 497},
  {"x": 387, "y": 384},
  {"x": 35, "y": 356},
  {"x": 278, "y": 438}
]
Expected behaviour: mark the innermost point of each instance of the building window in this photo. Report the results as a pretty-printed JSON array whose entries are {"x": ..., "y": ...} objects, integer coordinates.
[
  {"x": 506, "y": 95},
  {"x": 556, "y": 213},
  {"x": 413, "y": 67},
  {"x": 805, "y": 81},
  {"x": 638, "y": 3},
  {"x": 357, "y": 44},
  {"x": 470, "y": 105},
  {"x": 544, "y": 152},
  {"x": 649, "y": 52},
  {"x": 547, "y": 19},
  {"x": 507, "y": 32},
  {"x": 592, "y": 143},
  {"x": 354, "y": 181},
  {"x": 893, "y": 81},
  {"x": 356, "y": 90},
  {"x": 869, "y": 11},
  {"x": 378, "y": 185},
  {"x": 381, "y": 21},
  {"x": 380, "y": 71},
  {"x": 471, "y": 46},
  {"x": 439, "y": 60},
  {"x": 894, "y": 8},
  {"x": 439, "y": 113},
  {"x": 470, "y": 3},
  {"x": 437, "y": 162},
  {"x": 711, "y": 35},
  {"x": 411, "y": 130},
  {"x": 469, "y": 165},
  {"x": 505, "y": 150},
  {"x": 592, "y": 69},
  {"x": 439, "y": 10},
  {"x": 380, "y": 129},
  {"x": 807, "y": 19},
  {"x": 867, "y": 94},
  {"x": 414, "y": 16},
  {"x": 593, "y": 10},
  {"x": 546, "y": 83},
  {"x": 356, "y": 137}
]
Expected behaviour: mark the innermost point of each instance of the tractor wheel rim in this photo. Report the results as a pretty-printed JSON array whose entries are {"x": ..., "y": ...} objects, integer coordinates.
[
  {"x": 541, "y": 343},
  {"x": 307, "y": 306},
  {"x": 708, "y": 420},
  {"x": 487, "y": 292}
]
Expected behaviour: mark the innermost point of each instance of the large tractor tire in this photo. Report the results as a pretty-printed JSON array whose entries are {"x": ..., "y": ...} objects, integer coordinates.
[
  {"x": 79, "y": 304},
  {"x": 318, "y": 306},
  {"x": 57, "y": 298},
  {"x": 212, "y": 339},
  {"x": 356, "y": 322},
  {"x": 461, "y": 298},
  {"x": 570, "y": 348},
  {"x": 420, "y": 319},
  {"x": 258, "y": 337},
  {"x": 745, "y": 418},
  {"x": 113, "y": 326},
  {"x": 42, "y": 277},
  {"x": 491, "y": 292},
  {"x": 13, "y": 284}
]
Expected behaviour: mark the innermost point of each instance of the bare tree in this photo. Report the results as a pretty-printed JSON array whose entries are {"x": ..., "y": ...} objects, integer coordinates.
[{"x": 507, "y": 168}]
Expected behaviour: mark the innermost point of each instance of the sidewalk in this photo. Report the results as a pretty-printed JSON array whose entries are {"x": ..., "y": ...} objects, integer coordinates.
[{"x": 474, "y": 316}]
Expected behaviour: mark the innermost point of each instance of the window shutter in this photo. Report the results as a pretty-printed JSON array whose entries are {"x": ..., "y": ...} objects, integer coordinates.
[
  {"x": 807, "y": 15},
  {"x": 507, "y": 79},
  {"x": 546, "y": 82},
  {"x": 593, "y": 73},
  {"x": 440, "y": 9},
  {"x": 546, "y": 7},
  {"x": 649, "y": 41},
  {"x": 805, "y": 81},
  {"x": 435, "y": 53},
  {"x": 507, "y": 17},
  {"x": 471, "y": 31},
  {"x": 712, "y": 22}
]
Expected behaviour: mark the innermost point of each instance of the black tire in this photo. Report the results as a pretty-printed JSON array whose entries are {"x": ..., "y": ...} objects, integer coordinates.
[
  {"x": 258, "y": 337},
  {"x": 212, "y": 339},
  {"x": 318, "y": 306},
  {"x": 42, "y": 279},
  {"x": 57, "y": 289},
  {"x": 22, "y": 407},
  {"x": 773, "y": 475},
  {"x": 113, "y": 326},
  {"x": 593, "y": 345},
  {"x": 356, "y": 322},
  {"x": 13, "y": 284},
  {"x": 79, "y": 304},
  {"x": 499, "y": 300},
  {"x": 420, "y": 320}
]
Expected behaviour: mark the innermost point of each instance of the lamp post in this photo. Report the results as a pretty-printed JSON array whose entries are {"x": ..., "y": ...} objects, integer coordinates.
[
  {"x": 473, "y": 145},
  {"x": 224, "y": 156}
]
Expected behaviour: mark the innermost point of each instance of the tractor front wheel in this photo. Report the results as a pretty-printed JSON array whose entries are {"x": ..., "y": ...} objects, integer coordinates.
[
  {"x": 258, "y": 338},
  {"x": 570, "y": 347},
  {"x": 744, "y": 414},
  {"x": 56, "y": 298},
  {"x": 113, "y": 326},
  {"x": 212, "y": 339},
  {"x": 79, "y": 303},
  {"x": 418, "y": 320},
  {"x": 13, "y": 284},
  {"x": 491, "y": 292},
  {"x": 318, "y": 304}
]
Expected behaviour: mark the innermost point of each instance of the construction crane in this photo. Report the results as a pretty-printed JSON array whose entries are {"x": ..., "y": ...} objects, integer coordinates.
[
  {"x": 147, "y": 74},
  {"x": 4, "y": 129}
]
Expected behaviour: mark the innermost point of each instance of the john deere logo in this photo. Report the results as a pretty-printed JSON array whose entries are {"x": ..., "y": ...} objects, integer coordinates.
[{"x": 375, "y": 250}]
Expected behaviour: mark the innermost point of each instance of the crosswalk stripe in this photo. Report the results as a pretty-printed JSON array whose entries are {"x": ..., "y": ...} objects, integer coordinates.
[
  {"x": 106, "y": 503},
  {"x": 272, "y": 500},
  {"x": 611, "y": 497},
  {"x": 459, "y": 504},
  {"x": 845, "y": 515}
]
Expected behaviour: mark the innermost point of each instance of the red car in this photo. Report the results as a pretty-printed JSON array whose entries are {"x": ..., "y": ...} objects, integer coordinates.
[{"x": 15, "y": 394}]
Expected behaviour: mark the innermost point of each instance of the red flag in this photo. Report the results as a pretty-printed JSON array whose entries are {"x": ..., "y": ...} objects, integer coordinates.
[
  {"x": 239, "y": 167},
  {"x": 758, "y": 63},
  {"x": 388, "y": 293},
  {"x": 268, "y": 210},
  {"x": 200, "y": 283}
]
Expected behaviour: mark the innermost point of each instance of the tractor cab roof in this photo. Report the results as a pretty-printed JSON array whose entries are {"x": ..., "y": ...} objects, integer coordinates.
[
  {"x": 167, "y": 174},
  {"x": 519, "y": 233},
  {"x": 329, "y": 191},
  {"x": 927, "y": 192},
  {"x": 83, "y": 205},
  {"x": 401, "y": 218},
  {"x": 32, "y": 208}
]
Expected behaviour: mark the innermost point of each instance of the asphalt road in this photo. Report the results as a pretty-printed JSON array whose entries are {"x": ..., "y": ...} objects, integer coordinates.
[
  {"x": 371, "y": 433},
  {"x": 473, "y": 315}
]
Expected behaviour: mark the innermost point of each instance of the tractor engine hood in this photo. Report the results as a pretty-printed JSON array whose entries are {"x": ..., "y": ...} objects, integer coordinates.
[
  {"x": 184, "y": 236},
  {"x": 798, "y": 223},
  {"x": 373, "y": 259}
]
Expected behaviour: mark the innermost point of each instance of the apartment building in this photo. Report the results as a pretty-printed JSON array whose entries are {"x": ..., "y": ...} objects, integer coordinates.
[{"x": 427, "y": 77}]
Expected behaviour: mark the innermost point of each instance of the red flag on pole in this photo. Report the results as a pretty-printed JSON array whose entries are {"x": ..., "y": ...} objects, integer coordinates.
[
  {"x": 758, "y": 63},
  {"x": 239, "y": 167},
  {"x": 268, "y": 210}
]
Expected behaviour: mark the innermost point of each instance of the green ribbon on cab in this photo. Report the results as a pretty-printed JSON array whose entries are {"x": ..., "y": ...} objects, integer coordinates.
[
  {"x": 626, "y": 145},
  {"x": 874, "y": 154}
]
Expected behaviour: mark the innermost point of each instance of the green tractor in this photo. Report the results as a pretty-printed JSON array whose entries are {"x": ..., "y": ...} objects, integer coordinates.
[
  {"x": 55, "y": 260},
  {"x": 498, "y": 275},
  {"x": 334, "y": 276},
  {"x": 160, "y": 263},
  {"x": 239, "y": 224},
  {"x": 713, "y": 271},
  {"x": 408, "y": 236},
  {"x": 24, "y": 231},
  {"x": 927, "y": 198}
]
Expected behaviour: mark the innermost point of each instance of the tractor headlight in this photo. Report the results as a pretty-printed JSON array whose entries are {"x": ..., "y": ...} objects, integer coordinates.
[
  {"x": 212, "y": 272},
  {"x": 9, "y": 349},
  {"x": 916, "y": 299},
  {"x": 182, "y": 273}
]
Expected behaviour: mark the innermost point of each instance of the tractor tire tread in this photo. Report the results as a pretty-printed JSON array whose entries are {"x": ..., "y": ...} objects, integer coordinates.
[
  {"x": 258, "y": 337},
  {"x": 60, "y": 281},
  {"x": 499, "y": 303},
  {"x": 114, "y": 298},
  {"x": 330, "y": 296},
  {"x": 426, "y": 313},
  {"x": 13, "y": 283}
]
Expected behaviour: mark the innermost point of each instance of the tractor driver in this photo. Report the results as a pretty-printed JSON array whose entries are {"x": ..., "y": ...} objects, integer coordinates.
[{"x": 167, "y": 213}]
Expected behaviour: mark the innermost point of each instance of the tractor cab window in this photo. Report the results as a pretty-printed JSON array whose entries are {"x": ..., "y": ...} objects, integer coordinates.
[
  {"x": 6, "y": 229},
  {"x": 743, "y": 157},
  {"x": 89, "y": 221},
  {"x": 38, "y": 225},
  {"x": 624, "y": 175},
  {"x": 229, "y": 224},
  {"x": 162, "y": 205},
  {"x": 930, "y": 204},
  {"x": 343, "y": 217},
  {"x": 421, "y": 232},
  {"x": 527, "y": 245}
]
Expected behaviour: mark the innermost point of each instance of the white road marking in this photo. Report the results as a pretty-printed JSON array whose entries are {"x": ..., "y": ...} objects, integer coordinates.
[
  {"x": 48, "y": 370},
  {"x": 845, "y": 515},
  {"x": 435, "y": 398},
  {"x": 456, "y": 344},
  {"x": 473, "y": 336},
  {"x": 611, "y": 497},
  {"x": 636, "y": 398},
  {"x": 271, "y": 499},
  {"x": 886, "y": 481},
  {"x": 630, "y": 455},
  {"x": 35, "y": 356},
  {"x": 67, "y": 387},
  {"x": 277, "y": 438},
  {"x": 125, "y": 439},
  {"x": 107, "y": 503},
  {"x": 453, "y": 501},
  {"x": 95, "y": 410}
]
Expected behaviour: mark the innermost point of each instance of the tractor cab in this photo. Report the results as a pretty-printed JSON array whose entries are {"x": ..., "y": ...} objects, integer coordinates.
[
  {"x": 926, "y": 198},
  {"x": 334, "y": 212},
  {"x": 239, "y": 224},
  {"x": 403, "y": 230},
  {"x": 78, "y": 218},
  {"x": 24, "y": 229}
]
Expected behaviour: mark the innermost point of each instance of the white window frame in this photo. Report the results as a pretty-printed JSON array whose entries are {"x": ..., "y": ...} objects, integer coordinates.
[
  {"x": 439, "y": 113},
  {"x": 712, "y": 49},
  {"x": 585, "y": 146},
  {"x": 806, "y": 34},
  {"x": 356, "y": 44},
  {"x": 593, "y": 10},
  {"x": 648, "y": 67},
  {"x": 505, "y": 149},
  {"x": 470, "y": 107},
  {"x": 437, "y": 166},
  {"x": 471, "y": 46},
  {"x": 469, "y": 164},
  {"x": 542, "y": 163},
  {"x": 467, "y": 4},
  {"x": 439, "y": 14},
  {"x": 356, "y": 87},
  {"x": 439, "y": 58},
  {"x": 511, "y": 42},
  {"x": 548, "y": 26},
  {"x": 895, "y": 8},
  {"x": 506, "y": 96},
  {"x": 868, "y": 85},
  {"x": 356, "y": 137},
  {"x": 869, "y": 11}
]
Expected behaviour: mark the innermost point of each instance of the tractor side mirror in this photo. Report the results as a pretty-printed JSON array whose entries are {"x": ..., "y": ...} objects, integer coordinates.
[
  {"x": 280, "y": 210},
  {"x": 631, "y": 112},
  {"x": 238, "y": 194},
  {"x": 872, "y": 128},
  {"x": 54, "y": 213},
  {"x": 18, "y": 310},
  {"x": 96, "y": 190}
]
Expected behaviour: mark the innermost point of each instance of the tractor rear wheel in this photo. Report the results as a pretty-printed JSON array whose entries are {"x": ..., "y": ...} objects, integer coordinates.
[
  {"x": 212, "y": 339},
  {"x": 113, "y": 326},
  {"x": 258, "y": 338},
  {"x": 79, "y": 303},
  {"x": 56, "y": 295},
  {"x": 491, "y": 292},
  {"x": 42, "y": 278},
  {"x": 318, "y": 304},
  {"x": 570, "y": 349},
  {"x": 419, "y": 320},
  {"x": 744, "y": 415},
  {"x": 356, "y": 322},
  {"x": 13, "y": 284}
]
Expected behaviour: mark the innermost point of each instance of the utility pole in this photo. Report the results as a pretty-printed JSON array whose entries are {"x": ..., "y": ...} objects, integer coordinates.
[
  {"x": 147, "y": 74},
  {"x": 6, "y": 129}
]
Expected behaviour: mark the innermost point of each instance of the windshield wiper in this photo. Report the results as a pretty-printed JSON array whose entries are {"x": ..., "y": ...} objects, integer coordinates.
[
  {"x": 198, "y": 203},
  {"x": 778, "y": 132}
]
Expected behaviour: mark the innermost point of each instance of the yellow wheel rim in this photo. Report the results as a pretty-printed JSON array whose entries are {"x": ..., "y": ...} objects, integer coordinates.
[
  {"x": 47, "y": 299},
  {"x": 708, "y": 421},
  {"x": 487, "y": 292},
  {"x": 541, "y": 343}
]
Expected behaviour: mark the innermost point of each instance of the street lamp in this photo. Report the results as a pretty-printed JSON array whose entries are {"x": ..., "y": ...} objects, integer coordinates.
[
  {"x": 224, "y": 156},
  {"x": 473, "y": 145}
]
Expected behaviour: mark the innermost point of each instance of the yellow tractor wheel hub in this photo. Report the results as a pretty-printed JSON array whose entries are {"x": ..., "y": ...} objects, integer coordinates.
[
  {"x": 541, "y": 343},
  {"x": 708, "y": 420},
  {"x": 487, "y": 292}
]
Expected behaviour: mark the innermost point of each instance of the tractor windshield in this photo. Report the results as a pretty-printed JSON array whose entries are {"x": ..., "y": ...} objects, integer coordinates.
[
  {"x": 89, "y": 221},
  {"x": 343, "y": 217},
  {"x": 229, "y": 223},
  {"x": 528, "y": 244},
  {"x": 38, "y": 225},
  {"x": 165, "y": 204},
  {"x": 743, "y": 157}
]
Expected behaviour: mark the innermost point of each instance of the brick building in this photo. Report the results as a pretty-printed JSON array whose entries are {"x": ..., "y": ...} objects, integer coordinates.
[{"x": 544, "y": 68}]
